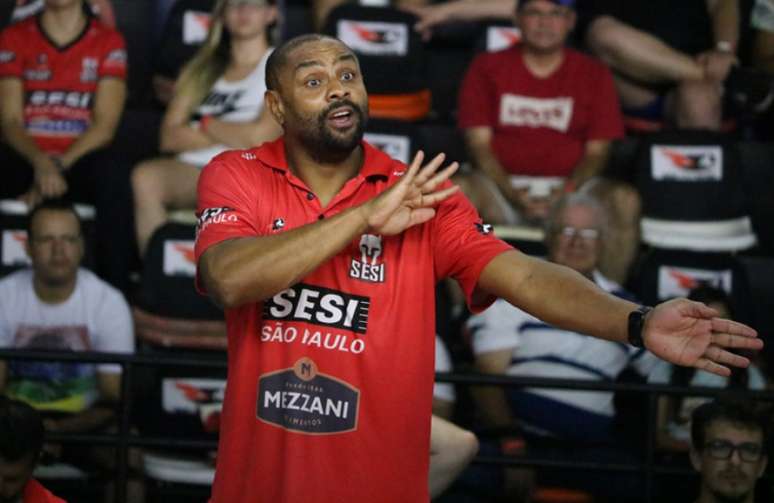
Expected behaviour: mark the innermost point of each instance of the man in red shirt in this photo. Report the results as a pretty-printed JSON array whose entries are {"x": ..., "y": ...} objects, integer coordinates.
[
  {"x": 325, "y": 254},
  {"x": 21, "y": 440},
  {"x": 538, "y": 119},
  {"x": 62, "y": 91}
]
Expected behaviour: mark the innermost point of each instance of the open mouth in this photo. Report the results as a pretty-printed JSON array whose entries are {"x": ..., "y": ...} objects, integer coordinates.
[{"x": 342, "y": 117}]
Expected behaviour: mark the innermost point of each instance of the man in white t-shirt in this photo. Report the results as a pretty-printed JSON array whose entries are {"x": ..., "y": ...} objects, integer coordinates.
[{"x": 56, "y": 305}]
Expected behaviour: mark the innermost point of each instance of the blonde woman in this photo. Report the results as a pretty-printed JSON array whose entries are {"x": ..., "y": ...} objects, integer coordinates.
[{"x": 218, "y": 105}]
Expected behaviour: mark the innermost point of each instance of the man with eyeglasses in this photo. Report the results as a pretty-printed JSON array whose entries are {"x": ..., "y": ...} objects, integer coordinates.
[
  {"x": 57, "y": 305},
  {"x": 728, "y": 450},
  {"x": 507, "y": 340}
]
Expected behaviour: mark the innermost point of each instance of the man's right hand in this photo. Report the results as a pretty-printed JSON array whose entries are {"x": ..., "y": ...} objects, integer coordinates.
[
  {"x": 48, "y": 179},
  {"x": 411, "y": 201}
]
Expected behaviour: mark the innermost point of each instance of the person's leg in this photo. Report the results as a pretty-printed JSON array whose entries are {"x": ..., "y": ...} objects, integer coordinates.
[
  {"x": 696, "y": 105},
  {"x": 639, "y": 55},
  {"x": 160, "y": 184},
  {"x": 451, "y": 449},
  {"x": 634, "y": 96},
  {"x": 101, "y": 179},
  {"x": 623, "y": 237},
  {"x": 491, "y": 204}
]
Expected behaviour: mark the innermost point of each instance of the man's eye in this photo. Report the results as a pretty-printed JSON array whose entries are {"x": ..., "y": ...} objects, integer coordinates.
[
  {"x": 347, "y": 76},
  {"x": 313, "y": 82}
]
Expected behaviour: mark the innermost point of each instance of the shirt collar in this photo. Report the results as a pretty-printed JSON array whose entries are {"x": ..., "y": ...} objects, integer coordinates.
[{"x": 375, "y": 162}]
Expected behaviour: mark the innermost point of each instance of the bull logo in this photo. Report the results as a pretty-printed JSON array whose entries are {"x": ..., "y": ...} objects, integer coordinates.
[{"x": 370, "y": 247}]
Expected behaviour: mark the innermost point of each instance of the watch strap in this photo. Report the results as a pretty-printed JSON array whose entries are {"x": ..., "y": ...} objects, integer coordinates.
[{"x": 636, "y": 323}]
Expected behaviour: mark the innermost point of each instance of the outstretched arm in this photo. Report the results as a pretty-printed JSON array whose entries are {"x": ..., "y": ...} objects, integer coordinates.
[
  {"x": 245, "y": 270},
  {"x": 679, "y": 331}
]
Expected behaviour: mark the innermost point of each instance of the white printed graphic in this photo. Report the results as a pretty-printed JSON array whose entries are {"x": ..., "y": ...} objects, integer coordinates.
[
  {"x": 396, "y": 146},
  {"x": 14, "y": 253},
  {"x": 551, "y": 113},
  {"x": 679, "y": 281},
  {"x": 374, "y": 38},
  {"x": 686, "y": 163},
  {"x": 179, "y": 258},
  {"x": 501, "y": 37}
]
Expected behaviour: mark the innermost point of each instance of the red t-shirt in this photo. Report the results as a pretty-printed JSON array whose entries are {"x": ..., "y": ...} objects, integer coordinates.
[
  {"x": 34, "y": 492},
  {"x": 540, "y": 125},
  {"x": 330, "y": 382},
  {"x": 60, "y": 83}
]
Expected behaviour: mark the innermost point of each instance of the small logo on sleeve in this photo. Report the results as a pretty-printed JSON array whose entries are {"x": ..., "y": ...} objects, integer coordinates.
[
  {"x": 219, "y": 215},
  {"x": 483, "y": 228},
  {"x": 304, "y": 400}
]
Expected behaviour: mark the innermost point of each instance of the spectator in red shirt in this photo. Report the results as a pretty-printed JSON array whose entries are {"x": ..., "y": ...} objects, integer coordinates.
[
  {"x": 539, "y": 119},
  {"x": 21, "y": 441}
]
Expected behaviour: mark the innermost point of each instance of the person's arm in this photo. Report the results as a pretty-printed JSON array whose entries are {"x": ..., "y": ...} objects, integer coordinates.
[
  {"x": 48, "y": 179},
  {"x": 244, "y": 134},
  {"x": 108, "y": 107},
  {"x": 238, "y": 271},
  {"x": 594, "y": 160},
  {"x": 479, "y": 143},
  {"x": 490, "y": 400},
  {"x": 432, "y": 16},
  {"x": 725, "y": 27},
  {"x": 678, "y": 331},
  {"x": 176, "y": 133}
]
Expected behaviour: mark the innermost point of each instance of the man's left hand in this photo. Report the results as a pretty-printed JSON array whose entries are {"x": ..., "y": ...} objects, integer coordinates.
[
  {"x": 717, "y": 65},
  {"x": 688, "y": 333}
]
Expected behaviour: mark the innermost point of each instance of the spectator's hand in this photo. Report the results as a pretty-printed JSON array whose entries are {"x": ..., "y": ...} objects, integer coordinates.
[
  {"x": 717, "y": 64},
  {"x": 533, "y": 209},
  {"x": 411, "y": 200},
  {"x": 688, "y": 333},
  {"x": 49, "y": 181},
  {"x": 430, "y": 16}
]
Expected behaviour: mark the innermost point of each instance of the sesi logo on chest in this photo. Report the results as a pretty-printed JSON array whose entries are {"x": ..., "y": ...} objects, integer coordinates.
[{"x": 368, "y": 263}]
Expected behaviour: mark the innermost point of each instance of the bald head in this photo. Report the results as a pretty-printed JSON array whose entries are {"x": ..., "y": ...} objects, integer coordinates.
[{"x": 279, "y": 59}]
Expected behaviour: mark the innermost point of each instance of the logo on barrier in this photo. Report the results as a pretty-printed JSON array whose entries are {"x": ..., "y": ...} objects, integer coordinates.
[
  {"x": 179, "y": 259},
  {"x": 304, "y": 400},
  {"x": 501, "y": 37},
  {"x": 369, "y": 264},
  {"x": 196, "y": 26},
  {"x": 396, "y": 146},
  {"x": 679, "y": 281},
  {"x": 13, "y": 250},
  {"x": 551, "y": 113},
  {"x": 685, "y": 163},
  {"x": 202, "y": 397},
  {"x": 374, "y": 38}
]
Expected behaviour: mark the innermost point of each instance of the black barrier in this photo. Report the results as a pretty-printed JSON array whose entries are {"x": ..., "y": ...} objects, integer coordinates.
[{"x": 124, "y": 439}]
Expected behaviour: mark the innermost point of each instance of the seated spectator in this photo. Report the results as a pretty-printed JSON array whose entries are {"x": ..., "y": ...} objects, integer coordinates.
[
  {"x": 184, "y": 32},
  {"x": 23, "y": 9},
  {"x": 62, "y": 92},
  {"x": 56, "y": 305},
  {"x": 218, "y": 105},
  {"x": 538, "y": 120},
  {"x": 670, "y": 59},
  {"x": 21, "y": 442},
  {"x": 509, "y": 341},
  {"x": 674, "y": 412},
  {"x": 728, "y": 450}
]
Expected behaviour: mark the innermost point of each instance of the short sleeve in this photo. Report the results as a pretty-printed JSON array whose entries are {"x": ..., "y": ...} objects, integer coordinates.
[
  {"x": 643, "y": 362},
  {"x": 495, "y": 329},
  {"x": 11, "y": 64},
  {"x": 477, "y": 98},
  {"x": 115, "y": 329},
  {"x": 661, "y": 373},
  {"x": 463, "y": 245},
  {"x": 606, "y": 122},
  {"x": 226, "y": 207},
  {"x": 114, "y": 61}
]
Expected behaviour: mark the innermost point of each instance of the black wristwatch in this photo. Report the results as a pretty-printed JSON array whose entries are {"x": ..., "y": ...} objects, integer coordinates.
[{"x": 636, "y": 324}]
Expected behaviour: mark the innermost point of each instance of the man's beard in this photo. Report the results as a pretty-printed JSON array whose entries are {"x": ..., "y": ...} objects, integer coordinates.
[{"x": 324, "y": 144}]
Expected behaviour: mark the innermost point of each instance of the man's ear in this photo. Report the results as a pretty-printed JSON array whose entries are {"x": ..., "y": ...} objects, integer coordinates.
[{"x": 276, "y": 107}]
